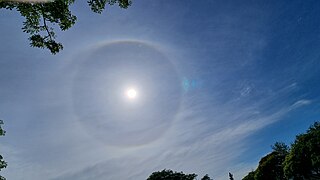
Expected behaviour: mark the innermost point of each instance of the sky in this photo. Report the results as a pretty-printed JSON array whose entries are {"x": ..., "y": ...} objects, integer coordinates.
[{"x": 217, "y": 83}]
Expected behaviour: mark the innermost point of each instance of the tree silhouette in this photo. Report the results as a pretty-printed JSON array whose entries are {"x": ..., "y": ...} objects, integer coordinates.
[
  {"x": 303, "y": 160},
  {"x": 168, "y": 174},
  {"x": 271, "y": 165},
  {"x": 270, "y": 168},
  {"x": 231, "y": 176},
  {"x": 3, "y": 164},
  {"x": 41, "y": 18},
  {"x": 98, "y": 6},
  {"x": 206, "y": 177},
  {"x": 249, "y": 176}
]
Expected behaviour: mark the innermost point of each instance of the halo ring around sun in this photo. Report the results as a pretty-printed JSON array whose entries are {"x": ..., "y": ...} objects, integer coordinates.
[{"x": 105, "y": 73}]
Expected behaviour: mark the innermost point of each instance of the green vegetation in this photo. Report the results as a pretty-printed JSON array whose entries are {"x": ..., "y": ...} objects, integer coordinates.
[
  {"x": 41, "y": 18},
  {"x": 301, "y": 161},
  {"x": 3, "y": 164},
  {"x": 170, "y": 175}
]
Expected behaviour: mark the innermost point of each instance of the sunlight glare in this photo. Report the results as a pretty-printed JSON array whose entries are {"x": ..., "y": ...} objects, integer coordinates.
[{"x": 131, "y": 93}]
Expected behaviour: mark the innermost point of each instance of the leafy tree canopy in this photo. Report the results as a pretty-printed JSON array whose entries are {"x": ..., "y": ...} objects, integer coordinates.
[
  {"x": 206, "y": 177},
  {"x": 303, "y": 161},
  {"x": 170, "y": 175},
  {"x": 249, "y": 176},
  {"x": 270, "y": 166},
  {"x": 300, "y": 162},
  {"x": 280, "y": 148},
  {"x": 3, "y": 164},
  {"x": 41, "y": 18},
  {"x": 2, "y": 132}
]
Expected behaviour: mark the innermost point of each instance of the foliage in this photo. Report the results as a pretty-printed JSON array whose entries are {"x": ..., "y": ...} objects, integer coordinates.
[
  {"x": 280, "y": 148},
  {"x": 2, "y": 132},
  {"x": 3, "y": 164},
  {"x": 270, "y": 166},
  {"x": 170, "y": 175},
  {"x": 41, "y": 18},
  {"x": 38, "y": 16},
  {"x": 206, "y": 177},
  {"x": 303, "y": 161},
  {"x": 231, "y": 176},
  {"x": 249, "y": 176},
  {"x": 98, "y": 6}
]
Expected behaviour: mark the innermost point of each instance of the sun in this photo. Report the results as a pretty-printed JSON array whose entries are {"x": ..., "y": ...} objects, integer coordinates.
[{"x": 131, "y": 93}]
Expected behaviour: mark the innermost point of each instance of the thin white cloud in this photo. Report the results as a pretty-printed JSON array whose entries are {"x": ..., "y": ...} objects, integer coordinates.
[
  {"x": 301, "y": 102},
  {"x": 208, "y": 135},
  {"x": 187, "y": 143}
]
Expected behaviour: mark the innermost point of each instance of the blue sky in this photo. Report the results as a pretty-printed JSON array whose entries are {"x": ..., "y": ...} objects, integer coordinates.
[{"x": 218, "y": 82}]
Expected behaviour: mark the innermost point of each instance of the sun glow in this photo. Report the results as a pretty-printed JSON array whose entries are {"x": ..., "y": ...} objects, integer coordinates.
[{"x": 131, "y": 93}]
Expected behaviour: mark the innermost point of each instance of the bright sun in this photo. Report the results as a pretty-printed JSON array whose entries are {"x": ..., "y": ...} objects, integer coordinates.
[{"x": 131, "y": 93}]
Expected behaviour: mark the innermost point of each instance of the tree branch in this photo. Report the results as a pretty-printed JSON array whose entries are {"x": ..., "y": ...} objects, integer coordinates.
[{"x": 44, "y": 23}]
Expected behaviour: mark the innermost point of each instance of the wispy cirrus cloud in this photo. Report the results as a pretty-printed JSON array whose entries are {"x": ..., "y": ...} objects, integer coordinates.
[{"x": 211, "y": 142}]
